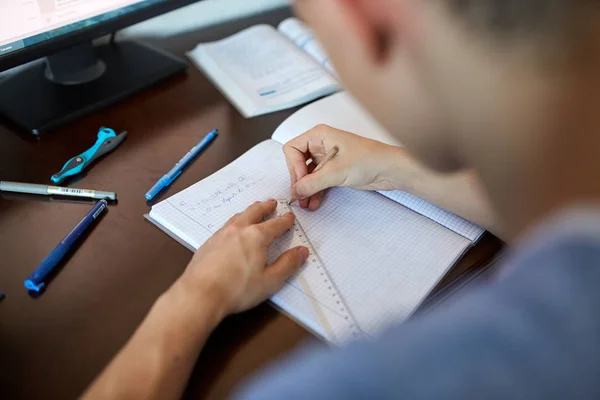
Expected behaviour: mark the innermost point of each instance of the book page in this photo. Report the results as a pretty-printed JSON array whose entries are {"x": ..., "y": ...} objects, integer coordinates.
[
  {"x": 303, "y": 37},
  {"x": 260, "y": 71},
  {"x": 383, "y": 257},
  {"x": 342, "y": 111}
]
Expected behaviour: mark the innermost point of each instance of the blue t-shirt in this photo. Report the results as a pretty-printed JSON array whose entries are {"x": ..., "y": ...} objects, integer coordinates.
[{"x": 532, "y": 333}]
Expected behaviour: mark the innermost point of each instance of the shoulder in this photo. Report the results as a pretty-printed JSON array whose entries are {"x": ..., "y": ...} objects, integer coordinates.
[
  {"x": 532, "y": 333},
  {"x": 565, "y": 244}
]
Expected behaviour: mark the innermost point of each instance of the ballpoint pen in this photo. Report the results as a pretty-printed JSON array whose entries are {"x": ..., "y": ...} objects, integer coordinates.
[{"x": 167, "y": 179}]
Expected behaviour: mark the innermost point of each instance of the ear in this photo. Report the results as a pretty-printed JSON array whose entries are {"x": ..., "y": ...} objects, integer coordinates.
[
  {"x": 396, "y": 19},
  {"x": 354, "y": 31}
]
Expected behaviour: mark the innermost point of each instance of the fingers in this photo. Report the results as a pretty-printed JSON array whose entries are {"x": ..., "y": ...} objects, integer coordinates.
[
  {"x": 315, "y": 201},
  {"x": 276, "y": 227},
  {"x": 296, "y": 163},
  {"x": 313, "y": 144},
  {"x": 257, "y": 212},
  {"x": 296, "y": 159},
  {"x": 304, "y": 203},
  {"x": 310, "y": 144},
  {"x": 283, "y": 268},
  {"x": 314, "y": 183}
]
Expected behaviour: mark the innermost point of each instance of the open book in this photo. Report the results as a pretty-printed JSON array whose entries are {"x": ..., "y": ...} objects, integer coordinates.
[
  {"x": 262, "y": 69},
  {"x": 384, "y": 251}
]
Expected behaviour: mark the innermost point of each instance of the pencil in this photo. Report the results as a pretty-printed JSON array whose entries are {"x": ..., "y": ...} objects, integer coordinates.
[{"x": 330, "y": 155}]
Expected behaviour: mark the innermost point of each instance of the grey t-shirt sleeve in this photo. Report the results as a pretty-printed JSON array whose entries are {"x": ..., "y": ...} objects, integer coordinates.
[{"x": 534, "y": 333}]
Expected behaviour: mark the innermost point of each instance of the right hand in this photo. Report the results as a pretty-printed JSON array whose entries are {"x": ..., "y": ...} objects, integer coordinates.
[{"x": 361, "y": 163}]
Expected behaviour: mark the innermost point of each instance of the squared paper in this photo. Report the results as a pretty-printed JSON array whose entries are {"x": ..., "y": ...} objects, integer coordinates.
[{"x": 383, "y": 257}]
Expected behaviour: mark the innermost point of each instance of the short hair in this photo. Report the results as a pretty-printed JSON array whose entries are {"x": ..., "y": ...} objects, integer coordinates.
[
  {"x": 515, "y": 18},
  {"x": 554, "y": 29}
]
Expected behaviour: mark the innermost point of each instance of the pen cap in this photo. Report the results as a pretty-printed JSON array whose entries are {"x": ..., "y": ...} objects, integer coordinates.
[
  {"x": 28, "y": 188},
  {"x": 105, "y": 195},
  {"x": 36, "y": 280},
  {"x": 160, "y": 185}
]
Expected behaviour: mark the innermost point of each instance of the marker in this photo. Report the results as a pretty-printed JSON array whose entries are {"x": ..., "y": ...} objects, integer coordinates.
[
  {"x": 36, "y": 280},
  {"x": 178, "y": 168},
  {"x": 45, "y": 190}
]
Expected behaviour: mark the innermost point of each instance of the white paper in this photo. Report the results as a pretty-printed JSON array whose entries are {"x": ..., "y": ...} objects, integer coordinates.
[
  {"x": 303, "y": 37},
  {"x": 260, "y": 71},
  {"x": 383, "y": 257}
]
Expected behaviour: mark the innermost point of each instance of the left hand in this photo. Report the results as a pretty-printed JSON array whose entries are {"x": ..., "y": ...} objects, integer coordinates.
[
  {"x": 231, "y": 267},
  {"x": 361, "y": 163}
]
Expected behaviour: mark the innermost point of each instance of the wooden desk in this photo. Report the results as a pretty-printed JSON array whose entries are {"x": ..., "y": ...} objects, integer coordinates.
[{"x": 53, "y": 346}]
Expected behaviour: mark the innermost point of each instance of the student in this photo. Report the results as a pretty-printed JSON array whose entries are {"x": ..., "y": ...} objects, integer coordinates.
[{"x": 510, "y": 88}]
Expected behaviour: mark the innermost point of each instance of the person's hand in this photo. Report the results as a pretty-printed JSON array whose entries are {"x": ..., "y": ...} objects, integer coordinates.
[
  {"x": 232, "y": 267},
  {"x": 360, "y": 163}
]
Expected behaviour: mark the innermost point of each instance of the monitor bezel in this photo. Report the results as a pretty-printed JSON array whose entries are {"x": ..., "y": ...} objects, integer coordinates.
[{"x": 51, "y": 46}]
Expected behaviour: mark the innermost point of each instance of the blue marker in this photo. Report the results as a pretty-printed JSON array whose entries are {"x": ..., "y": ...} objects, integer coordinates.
[
  {"x": 178, "y": 168},
  {"x": 35, "y": 282}
]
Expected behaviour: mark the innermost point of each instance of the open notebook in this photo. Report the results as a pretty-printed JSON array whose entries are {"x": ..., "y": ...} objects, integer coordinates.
[
  {"x": 262, "y": 69},
  {"x": 385, "y": 252}
]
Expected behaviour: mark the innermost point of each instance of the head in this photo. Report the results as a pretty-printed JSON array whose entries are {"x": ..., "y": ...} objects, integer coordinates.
[
  {"x": 458, "y": 79},
  {"x": 510, "y": 88}
]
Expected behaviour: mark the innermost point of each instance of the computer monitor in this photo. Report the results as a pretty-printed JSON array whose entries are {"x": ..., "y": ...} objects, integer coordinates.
[{"x": 76, "y": 77}]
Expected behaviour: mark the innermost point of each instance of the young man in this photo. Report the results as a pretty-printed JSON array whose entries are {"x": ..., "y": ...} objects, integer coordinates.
[{"x": 510, "y": 88}]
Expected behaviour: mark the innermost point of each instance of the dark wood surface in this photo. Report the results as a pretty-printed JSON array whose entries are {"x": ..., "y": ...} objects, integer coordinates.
[{"x": 54, "y": 345}]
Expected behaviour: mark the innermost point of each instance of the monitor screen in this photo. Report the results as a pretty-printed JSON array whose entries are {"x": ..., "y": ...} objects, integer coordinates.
[{"x": 25, "y": 23}]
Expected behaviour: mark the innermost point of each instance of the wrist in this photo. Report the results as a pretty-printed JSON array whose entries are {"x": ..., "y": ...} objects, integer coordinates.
[
  {"x": 396, "y": 169},
  {"x": 202, "y": 303}
]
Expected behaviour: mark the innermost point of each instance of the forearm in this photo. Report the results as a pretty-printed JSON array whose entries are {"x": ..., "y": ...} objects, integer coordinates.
[
  {"x": 158, "y": 359},
  {"x": 460, "y": 193}
]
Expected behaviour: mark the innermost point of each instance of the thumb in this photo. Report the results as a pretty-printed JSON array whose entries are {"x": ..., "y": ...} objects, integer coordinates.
[
  {"x": 314, "y": 183},
  {"x": 283, "y": 268}
]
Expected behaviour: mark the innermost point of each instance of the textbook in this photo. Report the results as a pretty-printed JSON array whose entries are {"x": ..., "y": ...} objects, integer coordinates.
[
  {"x": 262, "y": 69},
  {"x": 382, "y": 252}
]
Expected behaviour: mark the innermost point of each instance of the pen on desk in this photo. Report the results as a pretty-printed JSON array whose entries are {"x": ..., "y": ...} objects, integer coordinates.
[
  {"x": 36, "y": 280},
  {"x": 178, "y": 168},
  {"x": 30, "y": 188},
  {"x": 328, "y": 157}
]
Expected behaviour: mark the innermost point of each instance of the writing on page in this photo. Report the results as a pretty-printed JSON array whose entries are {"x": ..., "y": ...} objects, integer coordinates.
[{"x": 383, "y": 257}]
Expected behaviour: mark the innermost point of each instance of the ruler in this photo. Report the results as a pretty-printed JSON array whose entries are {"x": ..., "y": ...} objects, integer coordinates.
[{"x": 330, "y": 308}]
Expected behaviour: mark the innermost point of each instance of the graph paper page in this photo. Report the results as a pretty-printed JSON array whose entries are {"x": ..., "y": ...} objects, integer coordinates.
[
  {"x": 450, "y": 220},
  {"x": 343, "y": 112},
  {"x": 383, "y": 257}
]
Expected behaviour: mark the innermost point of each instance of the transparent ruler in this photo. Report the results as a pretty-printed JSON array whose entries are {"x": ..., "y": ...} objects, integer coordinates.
[{"x": 314, "y": 280}]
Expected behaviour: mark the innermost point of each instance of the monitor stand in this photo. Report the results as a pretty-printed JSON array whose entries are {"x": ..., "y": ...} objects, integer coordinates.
[{"x": 80, "y": 80}]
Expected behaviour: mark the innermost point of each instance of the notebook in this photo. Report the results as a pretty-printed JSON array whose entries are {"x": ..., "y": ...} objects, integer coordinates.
[
  {"x": 384, "y": 251},
  {"x": 262, "y": 69}
]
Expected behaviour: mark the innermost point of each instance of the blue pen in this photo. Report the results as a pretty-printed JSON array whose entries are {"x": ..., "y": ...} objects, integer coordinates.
[
  {"x": 176, "y": 171},
  {"x": 36, "y": 280}
]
